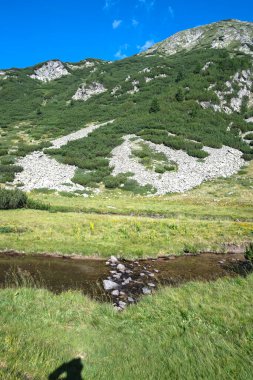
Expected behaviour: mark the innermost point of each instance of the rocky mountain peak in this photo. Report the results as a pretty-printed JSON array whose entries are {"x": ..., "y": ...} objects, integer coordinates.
[{"x": 230, "y": 34}]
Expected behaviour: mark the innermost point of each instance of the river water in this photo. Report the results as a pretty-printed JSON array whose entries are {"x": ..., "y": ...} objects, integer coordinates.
[{"x": 60, "y": 273}]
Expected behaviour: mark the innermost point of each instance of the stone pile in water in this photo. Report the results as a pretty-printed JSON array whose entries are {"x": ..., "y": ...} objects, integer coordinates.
[{"x": 128, "y": 281}]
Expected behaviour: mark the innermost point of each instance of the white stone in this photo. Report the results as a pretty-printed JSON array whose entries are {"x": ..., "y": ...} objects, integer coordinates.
[
  {"x": 146, "y": 290},
  {"x": 121, "y": 267},
  {"x": 122, "y": 304},
  {"x": 127, "y": 281},
  {"x": 85, "y": 65},
  {"x": 115, "y": 292},
  {"x": 110, "y": 285},
  {"x": 113, "y": 260},
  {"x": 115, "y": 89}
]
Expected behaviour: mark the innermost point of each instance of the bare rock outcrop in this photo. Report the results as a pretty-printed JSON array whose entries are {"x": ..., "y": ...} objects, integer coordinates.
[
  {"x": 51, "y": 70},
  {"x": 238, "y": 89},
  {"x": 85, "y": 92}
]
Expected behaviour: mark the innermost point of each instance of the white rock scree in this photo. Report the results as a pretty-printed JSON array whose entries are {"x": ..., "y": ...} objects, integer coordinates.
[
  {"x": 191, "y": 171},
  {"x": 42, "y": 171}
]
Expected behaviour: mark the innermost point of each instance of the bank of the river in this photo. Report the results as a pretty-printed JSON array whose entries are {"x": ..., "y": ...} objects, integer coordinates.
[{"x": 199, "y": 330}]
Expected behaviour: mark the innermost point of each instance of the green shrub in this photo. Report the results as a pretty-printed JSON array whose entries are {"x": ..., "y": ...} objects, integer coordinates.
[
  {"x": 249, "y": 136},
  {"x": 12, "y": 199},
  {"x": 249, "y": 253},
  {"x": 7, "y": 160},
  {"x": 179, "y": 95},
  {"x": 111, "y": 182},
  {"x": 3, "y": 151},
  {"x": 37, "y": 205},
  {"x": 197, "y": 153}
]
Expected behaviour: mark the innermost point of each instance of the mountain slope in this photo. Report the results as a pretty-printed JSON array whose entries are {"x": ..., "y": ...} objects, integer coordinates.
[{"x": 197, "y": 98}]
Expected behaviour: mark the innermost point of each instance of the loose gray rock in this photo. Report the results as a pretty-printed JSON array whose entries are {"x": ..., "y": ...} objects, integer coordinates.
[
  {"x": 191, "y": 171},
  {"x": 115, "y": 292},
  {"x": 121, "y": 267},
  {"x": 127, "y": 281},
  {"x": 113, "y": 260},
  {"x": 109, "y": 285},
  {"x": 117, "y": 276},
  {"x": 146, "y": 290},
  {"x": 122, "y": 304}
]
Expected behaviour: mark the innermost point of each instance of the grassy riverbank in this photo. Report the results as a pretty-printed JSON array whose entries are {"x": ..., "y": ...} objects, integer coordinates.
[
  {"x": 200, "y": 330},
  {"x": 102, "y": 235},
  {"x": 206, "y": 218}
]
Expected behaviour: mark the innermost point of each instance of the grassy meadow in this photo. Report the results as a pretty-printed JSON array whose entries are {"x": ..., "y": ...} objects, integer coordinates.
[
  {"x": 197, "y": 331},
  {"x": 117, "y": 222}
]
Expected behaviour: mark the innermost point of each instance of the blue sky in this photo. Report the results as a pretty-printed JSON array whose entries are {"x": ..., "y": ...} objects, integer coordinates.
[{"x": 33, "y": 31}]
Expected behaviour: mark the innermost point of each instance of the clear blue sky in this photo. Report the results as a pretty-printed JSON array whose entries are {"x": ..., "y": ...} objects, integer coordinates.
[{"x": 33, "y": 31}]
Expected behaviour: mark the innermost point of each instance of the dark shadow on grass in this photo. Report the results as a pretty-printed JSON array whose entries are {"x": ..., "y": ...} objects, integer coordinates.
[{"x": 72, "y": 370}]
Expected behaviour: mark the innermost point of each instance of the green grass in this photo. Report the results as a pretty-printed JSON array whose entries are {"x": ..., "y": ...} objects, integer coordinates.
[
  {"x": 206, "y": 218},
  {"x": 121, "y": 235},
  {"x": 197, "y": 331}
]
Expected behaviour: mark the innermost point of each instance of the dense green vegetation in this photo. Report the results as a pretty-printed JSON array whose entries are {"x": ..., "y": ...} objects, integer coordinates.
[{"x": 32, "y": 112}]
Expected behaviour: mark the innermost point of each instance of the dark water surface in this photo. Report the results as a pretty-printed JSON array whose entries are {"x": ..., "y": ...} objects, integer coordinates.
[{"x": 59, "y": 274}]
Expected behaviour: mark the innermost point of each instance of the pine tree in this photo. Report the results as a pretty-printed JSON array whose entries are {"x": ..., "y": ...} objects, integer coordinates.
[{"x": 154, "y": 106}]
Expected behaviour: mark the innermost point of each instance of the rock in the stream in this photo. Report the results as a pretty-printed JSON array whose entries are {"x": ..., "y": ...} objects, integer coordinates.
[
  {"x": 115, "y": 292},
  {"x": 127, "y": 281},
  {"x": 146, "y": 290},
  {"x": 122, "y": 304},
  {"x": 113, "y": 260},
  {"x": 121, "y": 267},
  {"x": 117, "y": 276},
  {"x": 109, "y": 285}
]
